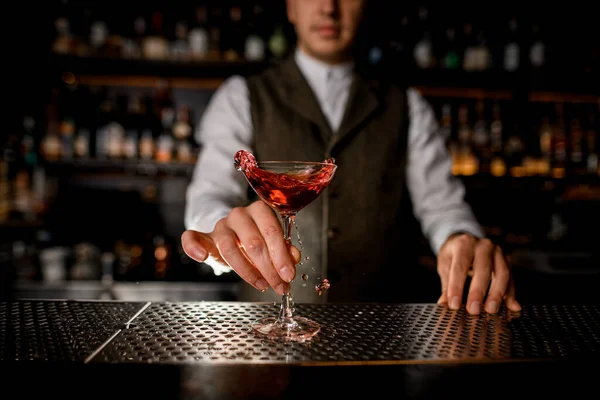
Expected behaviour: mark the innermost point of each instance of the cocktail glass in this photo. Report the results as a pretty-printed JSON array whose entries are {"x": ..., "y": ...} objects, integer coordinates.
[{"x": 287, "y": 187}]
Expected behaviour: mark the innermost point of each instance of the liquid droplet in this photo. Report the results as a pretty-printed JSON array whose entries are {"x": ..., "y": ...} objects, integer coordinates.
[
  {"x": 304, "y": 277},
  {"x": 322, "y": 286},
  {"x": 244, "y": 160},
  {"x": 299, "y": 242}
]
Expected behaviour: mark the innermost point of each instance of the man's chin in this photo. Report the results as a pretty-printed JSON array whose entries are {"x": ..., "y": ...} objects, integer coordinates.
[{"x": 329, "y": 51}]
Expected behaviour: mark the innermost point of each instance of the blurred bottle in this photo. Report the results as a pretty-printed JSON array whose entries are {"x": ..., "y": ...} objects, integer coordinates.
[
  {"x": 198, "y": 36},
  {"x": 179, "y": 47},
  {"x": 498, "y": 164},
  {"x": 481, "y": 137},
  {"x": 165, "y": 142},
  {"x": 162, "y": 257},
  {"x": 155, "y": 45},
  {"x": 537, "y": 52},
  {"x": 470, "y": 48},
  {"x": 452, "y": 57},
  {"x": 278, "y": 44},
  {"x": 423, "y": 51},
  {"x": 593, "y": 164},
  {"x": 512, "y": 49},
  {"x": 233, "y": 37},
  {"x": 146, "y": 145},
  {"x": 254, "y": 46}
]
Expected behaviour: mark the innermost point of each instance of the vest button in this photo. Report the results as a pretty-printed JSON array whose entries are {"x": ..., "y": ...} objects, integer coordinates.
[{"x": 332, "y": 233}]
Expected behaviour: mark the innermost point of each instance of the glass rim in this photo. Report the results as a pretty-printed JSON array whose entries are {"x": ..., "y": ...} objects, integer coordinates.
[{"x": 292, "y": 163}]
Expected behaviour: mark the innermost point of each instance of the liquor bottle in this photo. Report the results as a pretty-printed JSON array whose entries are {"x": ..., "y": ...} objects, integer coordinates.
[
  {"x": 162, "y": 256},
  {"x": 497, "y": 165},
  {"x": 182, "y": 128},
  {"x": 28, "y": 147},
  {"x": 423, "y": 51},
  {"x": 576, "y": 161},
  {"x": 560, "y": 143},
  {"x": 545, "y": 137},
  {"x": 182, "y": 131},
  {"x": 50, "y": 145},
  {"x": 233, "y": 36},
  {"x": 63, "y": 42},
  {"x": 146, "y": 145},
  {"x": 482, "y": 57},
  {"x": 481, "y": 137},
  {"x": 446, "y": 121},
  {"x": 198, "y": 36},
  {"x": 255, "y": 47},
  {"x": 82, "y": 143},
  {"x": 179, "y": 48},
  {"x": 165, "y": 142},
  {"x": 130, "y": 44},
  {"x": 452, "y": 58},
  {"x": 115, "y": 140},
  {"x": 155, "y": 45},
  {"x": 140, "y": 27},
  {"x": 468, "y": 162},
  {"x": 592, "y": 161},
  {"x": 515, "y": 151},
  {"x": 537, "y": 52},
  {"x": 512, "y": 49},
  {"x": 278, "y": 42},
  {"x": 470, "y": 50},
  {"x": 98, "y": 36},
  {"x": 67, "y": 132},
  {"x": 215, "y": 50},
  {"x": 130, "y": 146}
]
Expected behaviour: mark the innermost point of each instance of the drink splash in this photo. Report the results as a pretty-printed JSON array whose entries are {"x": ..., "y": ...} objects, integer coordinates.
[{"x": 287, "y": 187}]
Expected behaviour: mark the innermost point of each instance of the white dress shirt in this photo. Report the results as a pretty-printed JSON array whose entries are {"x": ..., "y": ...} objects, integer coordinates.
[{"x": 226, "y": 127}]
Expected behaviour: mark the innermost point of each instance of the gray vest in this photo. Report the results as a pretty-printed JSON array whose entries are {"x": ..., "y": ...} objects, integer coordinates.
[{"x": 352, "y": 232}]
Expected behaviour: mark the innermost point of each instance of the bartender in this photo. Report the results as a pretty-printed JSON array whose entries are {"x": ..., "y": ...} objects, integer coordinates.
[{"x": 392, "y": 165}]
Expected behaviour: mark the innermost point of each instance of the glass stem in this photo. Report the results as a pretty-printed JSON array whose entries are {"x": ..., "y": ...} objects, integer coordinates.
[{"x": 285, "y": 314}]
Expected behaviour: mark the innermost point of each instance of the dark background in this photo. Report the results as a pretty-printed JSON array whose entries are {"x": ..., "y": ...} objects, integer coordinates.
[{"x": 546, "y": 224}]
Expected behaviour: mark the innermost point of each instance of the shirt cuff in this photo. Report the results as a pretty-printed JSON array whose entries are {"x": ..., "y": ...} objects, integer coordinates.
[{"x": 440, "y": 237}]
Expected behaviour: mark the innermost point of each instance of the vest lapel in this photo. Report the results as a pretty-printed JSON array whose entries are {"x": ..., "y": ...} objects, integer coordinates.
[
  {"x": 362, "y": 103},
  {"x": 302, "y": 99}
]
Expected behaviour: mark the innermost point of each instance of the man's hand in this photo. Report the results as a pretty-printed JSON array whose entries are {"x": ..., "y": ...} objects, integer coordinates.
[
  {"x": 491, "y": 283},
  {"x": 250, "y": 241}
]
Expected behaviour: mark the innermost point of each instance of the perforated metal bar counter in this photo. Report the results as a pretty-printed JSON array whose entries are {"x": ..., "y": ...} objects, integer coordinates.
[{"x": 208, "y": 350}]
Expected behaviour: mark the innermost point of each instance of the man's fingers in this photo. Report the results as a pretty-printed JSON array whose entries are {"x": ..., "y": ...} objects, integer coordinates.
[
  {"x": 482, "y": 270},
  {"x": 510, "y": 299},
  {"x": 461, "y": 262},
  {"x": 270, "y": 229},
  {"x": 254, "y": 246},
  {"x": 196, "y": 245},
  {"x": 228, "y": 244},
  {"x": 295, "y": 253},
  {"x": 499, "y": 285},
  {"x": 443, "y": 269}
]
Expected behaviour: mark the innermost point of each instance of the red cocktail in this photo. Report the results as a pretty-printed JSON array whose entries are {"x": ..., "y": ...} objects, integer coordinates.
[{"x": 286, "y": 186}]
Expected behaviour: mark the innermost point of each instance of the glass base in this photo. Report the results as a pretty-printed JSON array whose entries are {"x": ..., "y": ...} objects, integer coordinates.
[{"x": 296, "y": 329}]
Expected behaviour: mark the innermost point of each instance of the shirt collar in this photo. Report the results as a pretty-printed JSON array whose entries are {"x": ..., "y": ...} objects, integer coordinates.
[{"x": 316, "y": 70}]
